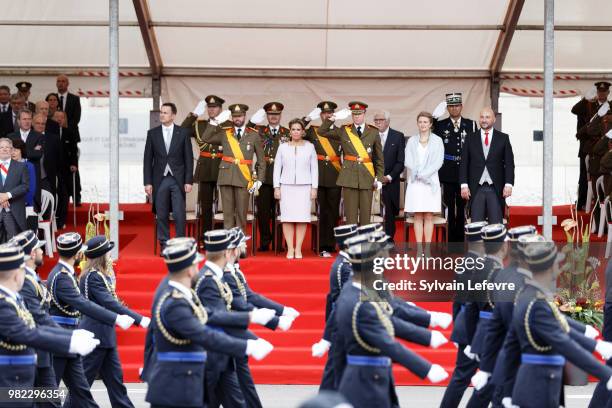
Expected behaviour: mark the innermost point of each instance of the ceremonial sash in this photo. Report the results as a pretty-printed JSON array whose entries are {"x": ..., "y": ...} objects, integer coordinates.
[
  {"x": 361, "y": 151},
  {"x": 237, "y": 153},
  {"x": 329, "y": 150},
  {"x": 4, "y": 171}
]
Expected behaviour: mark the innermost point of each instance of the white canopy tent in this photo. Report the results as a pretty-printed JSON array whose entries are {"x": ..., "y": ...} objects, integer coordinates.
[{"x": 393, "y": 54}]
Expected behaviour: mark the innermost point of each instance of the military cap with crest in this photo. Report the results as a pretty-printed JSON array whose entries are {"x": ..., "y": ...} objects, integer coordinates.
[
  {"x": 525, "y": 240},
  {"x": 327, "y": 106},
  {"x": 238, "y": 238},
  {"x": 69, "y": 244},
  {"x": 493, "y": 233},
  {"x": 361, "y": 252},
  {"x": 515, "y": 233},
  {"x": 541, "y": 255},
  {"x": 454, "y": 98},
  {"x": 369, "y": 228},
  {"x": 28, "y": 241},
  {"x": 472, "y": 230},
  {"x": 217, "y": 240},
  {"x": 602, "y": 85},
  {"x": 214, "y": 100},
  {"x": 23, "y": 86},
  {"x": 273, "y": 107},
  {"x": 11, "y": 257},
  {"x": 181, "y": 255},
  {"x": 238, "y": 109},
  {"x": 357, "y": 107},
  {"x": 343, "y": 232},
  {"x": 98, "y": 246}
]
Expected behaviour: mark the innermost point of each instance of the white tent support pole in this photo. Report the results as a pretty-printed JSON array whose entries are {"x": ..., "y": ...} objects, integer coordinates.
[
  {"x": 114, "y": 124},
  {"x": 547, "y": 174}
]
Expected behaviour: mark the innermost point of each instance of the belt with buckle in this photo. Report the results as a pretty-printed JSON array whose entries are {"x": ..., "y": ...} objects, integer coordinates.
[
  {"x": 320, "y": 157},
  {"x": 236, "y": 161},
  {"x": 357, "y": 159},
  {"x": 182, "y": 356},
  {"x": 269, "y": 159},
  {"x": 368, "y": 361},
  {"x": 451, "y": 157},
  {"x": 545, "y": 359},
  {"x": 211, "y": 155}
]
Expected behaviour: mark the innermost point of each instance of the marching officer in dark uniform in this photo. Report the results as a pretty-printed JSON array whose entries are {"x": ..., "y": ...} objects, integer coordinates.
[
  {"x": 328, "y": 193},
  {"x": 363, "y": 162},
  {"x": 585, "y": 110},
  {"x": 182, "y": 337},
  {"x": 222, "y": 380},
  {"x": 19, "y": 335},
  {"x": 365, "y": 335},
  {"x": 272, "y": 135},
  {"x": 538, "y": 343},
  {"x": 67, "y": 306},
  {"x": 97, "y": 284},
  {"x": 36, "y": 299},
  {"x": 453, "y": 131},
  {"x": 207, "y": 167}
]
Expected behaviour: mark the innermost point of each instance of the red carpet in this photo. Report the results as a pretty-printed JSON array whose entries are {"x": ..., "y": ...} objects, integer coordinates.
[{"x": 301, "y": 284}]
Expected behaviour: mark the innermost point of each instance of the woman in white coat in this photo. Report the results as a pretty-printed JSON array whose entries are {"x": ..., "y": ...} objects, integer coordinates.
[
  {"x": 296, "y": 178},
  {"x": 424, "y": 156}
]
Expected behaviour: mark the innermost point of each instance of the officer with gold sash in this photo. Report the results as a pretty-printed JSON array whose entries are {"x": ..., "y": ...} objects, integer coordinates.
[
  {"x": 272, "y": 135},
  {"x": 539, "y": 341},
  {"x": 182, "y": 336},
  {"x": 363, "y": 167},
  {"x": 19, "y": 334},
  {"x": 328, "y": 192},
  {"x": 207, "y": 168},
  {"x": 237, "y": 176}
]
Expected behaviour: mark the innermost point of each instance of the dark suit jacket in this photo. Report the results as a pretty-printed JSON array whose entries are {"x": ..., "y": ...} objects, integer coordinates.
[
  {"x": 73, "y": 113},
  {"x": 68, "y": 151},
  {"x": 52, "y": 127},
  {"x": 6, "y": 123},
  {"x": 51, "y": 158},
  {"x": 179, "y": 157},
  {"x": 499, "y": 162},
  {"x": 17, "y": 183},
  {"x": 33, "y": 155},
  {"x": 393, "y": 153}
]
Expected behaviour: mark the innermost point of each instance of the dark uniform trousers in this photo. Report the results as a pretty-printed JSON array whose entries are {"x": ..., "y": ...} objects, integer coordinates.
[
  {"x": 207, "y": 194},
  {"x": 265, "y": 214},
  {"x": 235, "y": 199},
  {"x": 456, "y": 211},
  {"x": 329, "y": 208},
  {"x": 465, "y": 368},
  {"x": 71, "y": 371},
  {"x": 169, "y": 196},
  {"x": 245, "y": 379},
  {"x": 357, "y": 205},
  {"x": 105, "y": 362},
  {"x": 45, "y": 378}
]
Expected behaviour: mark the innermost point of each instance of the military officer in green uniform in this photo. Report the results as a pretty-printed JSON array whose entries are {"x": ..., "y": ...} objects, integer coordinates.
[
  {"x": 237, "y": 176},
  {"x": 328, "y": 194},
  {"x": 272, "y": 135},
  {"x": 363, "y": 167},
  {"x": 207, "y": 168}
]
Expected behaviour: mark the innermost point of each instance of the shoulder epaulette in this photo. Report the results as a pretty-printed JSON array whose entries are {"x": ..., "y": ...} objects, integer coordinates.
[
  {"x": 226, "y": 127},
  {"x": 372, "y": 126},
  {"x": 208, "y": 273},
  {"x": 253, "y": 129},
  {"x": 177, "y": 294}
]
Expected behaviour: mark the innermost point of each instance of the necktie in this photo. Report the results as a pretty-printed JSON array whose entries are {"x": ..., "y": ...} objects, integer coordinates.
[
  {"x": 4, "y": 171},
  {"x": 359, "y": 131},
  {"x": 486, "y": 138},
  {"x": 274, "y": 132},
  {"x": 383, "y": 139},
  {"x": 61, "y": 104},
  {"x": 238, "y": 133}
]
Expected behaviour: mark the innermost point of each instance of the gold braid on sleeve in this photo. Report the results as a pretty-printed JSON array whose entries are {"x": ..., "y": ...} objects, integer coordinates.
[
  {"x": 528, "y": 330},
  {"x": 384, "y": 320},
  {"x": 56, "y": 302},
  {"x": 198, "y": 311},
  {"x": 24, "y": 315}
]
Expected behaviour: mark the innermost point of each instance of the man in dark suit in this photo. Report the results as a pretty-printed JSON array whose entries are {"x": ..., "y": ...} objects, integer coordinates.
[
  {"x": 51, "y": 154},
  {"x": 6, "y": 124},
  {"x": 67, "y": 167},
  {"x": 9, "y": 122},
  {"x": 34, "y": 146},
  {"x": 51, "y": 126},
  {"x": 71, "y": 104},
  {"x": 486, "y": 172},
  {"x": 393, "y": 143},
  {"x": 168, "y": 171},
  {"x": 13, "y": 188}
]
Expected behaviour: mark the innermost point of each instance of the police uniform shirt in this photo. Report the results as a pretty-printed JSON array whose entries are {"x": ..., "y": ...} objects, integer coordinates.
[{"x": 239, "y": 131}]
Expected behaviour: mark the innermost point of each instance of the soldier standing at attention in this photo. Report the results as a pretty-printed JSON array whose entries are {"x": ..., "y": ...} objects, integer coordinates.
[
  {"x": 363, "y": 166},
  {"x": 585, "y": 110},
  {"x": 328, "y": 193},
  {"x": 272, "y": 135},
  {"x": 207, "y": 168},
  {"x": 237, "y": 177},
  {"x": 453, "y": 131}
]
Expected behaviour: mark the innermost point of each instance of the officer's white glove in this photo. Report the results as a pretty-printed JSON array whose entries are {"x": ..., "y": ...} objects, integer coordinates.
[
  {"x": 468, "y": 352},
  {"x": 255, "y": 187},
  {"x": 223, "y": 116},
  {"x": 262, "y": 316},
  {"x": 591, "y": 93},
  {"x": 603, "y": 109},
  {"x": 84, "y": 333},
  {"x": 291, "y": 312},
  {"x": 439, "y": 110},
  {"x": 284, "y": 322},
  {"x": 411, "y": 303},
  {"x": 145, "y": 321},
  {"x": 82, "y": 344},
  {"x": 258, "y": 117},
  {"x": 320, "y": 348},
  {"x": 436, "y": 374},
  {"x": 437, "y": 339},
  {"x": 480, "y": 379},
  {"x": 199, "y": 109},
  {"x": 259, "y": 348},
  {"x": 314, "y": 114},
  {"x": 507, "y": 402},
  {"x": 124, "y": 321},
  {"x": 440, "y": 319},
  {"x": 604, "y": 348},
  {"x": 591, "y": 332},
  {"x": 342, "y": 114}
]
